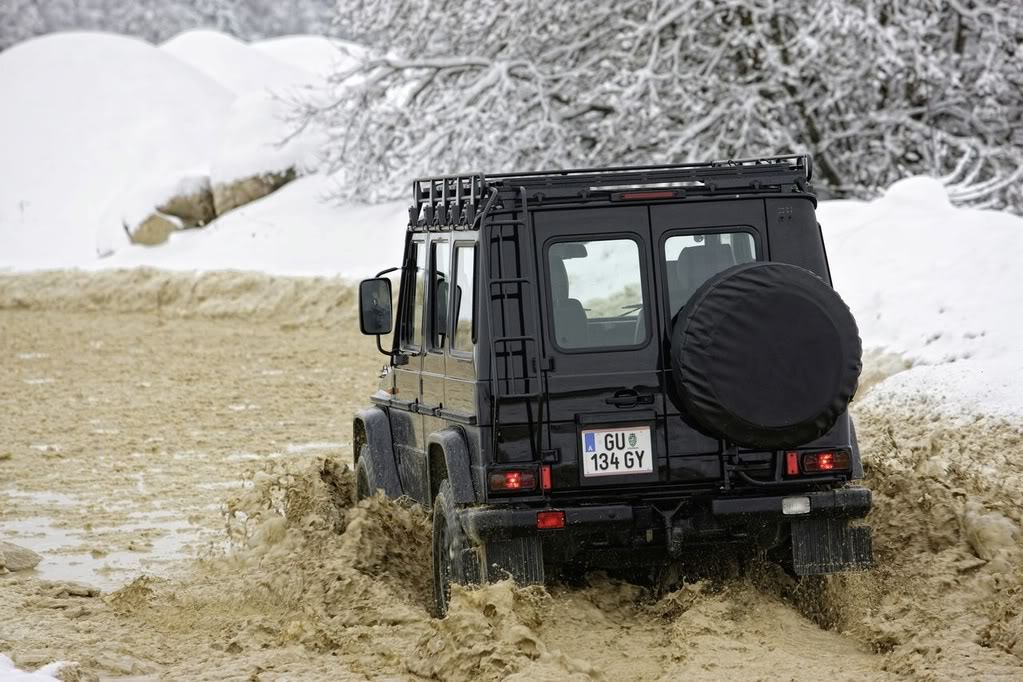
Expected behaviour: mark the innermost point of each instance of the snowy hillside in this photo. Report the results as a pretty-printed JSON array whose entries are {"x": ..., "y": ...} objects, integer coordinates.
[
  {"x": 96, "y": 115},
  {"x": 109, "y": 127}
]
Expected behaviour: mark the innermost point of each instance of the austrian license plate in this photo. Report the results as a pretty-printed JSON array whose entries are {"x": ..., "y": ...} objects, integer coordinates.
[{"x": 612, "y": 452}]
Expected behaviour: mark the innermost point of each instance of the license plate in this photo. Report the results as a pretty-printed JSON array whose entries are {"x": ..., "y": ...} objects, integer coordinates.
[{"x": 613, "y": 452}]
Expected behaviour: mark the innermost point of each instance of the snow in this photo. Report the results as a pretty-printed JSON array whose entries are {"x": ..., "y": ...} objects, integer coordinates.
[
  {"x": 317, "y": 54},
  {"x": 252, "y": 139},
  {"x": 95, "y": 114},
  {"x": 290, "y": 232},
  {"x": 9, "y": 673},
  {"x": 234, "y": 64},
  {"x": 938, "y": 285}
]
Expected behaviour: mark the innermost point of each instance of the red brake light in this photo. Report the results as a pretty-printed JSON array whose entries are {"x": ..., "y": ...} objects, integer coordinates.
[
  {"x": 550, "y": 519},
  {"x": 819, "y": 462},
  {"x": 512, "y": 480}
]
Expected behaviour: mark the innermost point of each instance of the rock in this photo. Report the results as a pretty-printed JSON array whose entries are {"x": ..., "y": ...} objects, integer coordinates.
[
  {"x": 153, "y": 230},
  {"x": 67, "y": 589},
  {"x": 121, "y": 664},
  {"x": 194, "y": 207},
  {"x": 69, "y": 672},
  {"x": 990, "y": 534},
  {"x": 240, "y": 192},
  {"x": 33, "y": 658},
  {"x": 14, "y": 558}
]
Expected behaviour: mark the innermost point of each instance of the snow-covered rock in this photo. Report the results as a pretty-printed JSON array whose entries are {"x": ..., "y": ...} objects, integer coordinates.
[
  {"x": 294, "y": 231},
  {"x": 235, "y": 193}
]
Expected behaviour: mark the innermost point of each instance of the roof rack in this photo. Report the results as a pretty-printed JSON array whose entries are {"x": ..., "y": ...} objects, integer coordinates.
[
  {"x": 447, "y": 201},
  {"x": 457, "y": 201}
]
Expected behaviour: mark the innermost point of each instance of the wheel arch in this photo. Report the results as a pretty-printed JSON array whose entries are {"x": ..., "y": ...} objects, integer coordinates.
[
  {"x": 372, "y": 427},
  {"x": 448, "y": 459}
]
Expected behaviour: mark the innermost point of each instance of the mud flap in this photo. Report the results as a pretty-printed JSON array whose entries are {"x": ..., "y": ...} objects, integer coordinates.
[
  {"x": 822, "y": 546},
  {"x": 518, "y": 558}
]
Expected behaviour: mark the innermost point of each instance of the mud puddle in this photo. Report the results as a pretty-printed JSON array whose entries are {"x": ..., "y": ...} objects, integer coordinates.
[{"x": 191, "y": 422}]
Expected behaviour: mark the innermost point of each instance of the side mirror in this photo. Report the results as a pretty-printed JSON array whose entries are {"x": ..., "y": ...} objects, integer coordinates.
[{"x": 375, "y": 316}]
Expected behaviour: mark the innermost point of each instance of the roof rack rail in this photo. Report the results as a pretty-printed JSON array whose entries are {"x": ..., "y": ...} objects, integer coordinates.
[
  {"x": 447, "y": 201},
  {"x": 772, "y": 173},
  {"x": 793, "y": 162}
]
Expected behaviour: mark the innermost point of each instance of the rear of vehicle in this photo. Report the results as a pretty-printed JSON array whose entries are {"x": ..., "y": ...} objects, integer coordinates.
[{"x": 667, "y": 369}]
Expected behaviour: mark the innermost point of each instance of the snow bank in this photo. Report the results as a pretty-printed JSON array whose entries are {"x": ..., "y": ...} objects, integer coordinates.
[
  {"x": 234, "y": 64},
  {"x": 93, "y": 115},
  {"x": 294, "y": 231},
  {"x": 48, "y": 673},
  {"x": 255, "y": 134},
  {"x": 938, "y": 285}
]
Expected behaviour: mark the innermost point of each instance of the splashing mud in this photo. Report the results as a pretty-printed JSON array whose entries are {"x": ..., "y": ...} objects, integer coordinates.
[{"x": 297, "y": 581}]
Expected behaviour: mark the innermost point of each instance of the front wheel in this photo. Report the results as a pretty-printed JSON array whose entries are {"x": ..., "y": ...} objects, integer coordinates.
[
  {"x": 365, "y": 481},
  {"x": 454, "y": 558}
]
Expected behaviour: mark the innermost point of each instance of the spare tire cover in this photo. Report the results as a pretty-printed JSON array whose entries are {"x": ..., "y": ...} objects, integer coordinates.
[{"x": 765, "y": 355}]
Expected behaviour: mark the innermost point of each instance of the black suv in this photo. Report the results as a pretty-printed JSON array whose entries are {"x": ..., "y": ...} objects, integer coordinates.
[{"x": 614, "y": 366}]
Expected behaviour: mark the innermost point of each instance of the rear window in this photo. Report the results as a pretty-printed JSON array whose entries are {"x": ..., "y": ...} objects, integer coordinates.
[
  {"x": 596, "y": 294},
  {"x": 692, "y": 259}
]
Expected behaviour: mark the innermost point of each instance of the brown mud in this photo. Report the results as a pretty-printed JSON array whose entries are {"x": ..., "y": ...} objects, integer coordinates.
[{"x": 187, "y": 452}]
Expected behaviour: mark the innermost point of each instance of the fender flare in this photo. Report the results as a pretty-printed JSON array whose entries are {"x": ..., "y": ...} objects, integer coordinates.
[
  {"x": 452, "y": 442},
  {"x": 372, "y": 427}
]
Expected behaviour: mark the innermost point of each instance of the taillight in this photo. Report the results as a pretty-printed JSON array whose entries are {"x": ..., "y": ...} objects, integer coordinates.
[
  {"x": 510, "y": 481},
  {"x": 823, "y": 462},
  {"x": 550, "y": 519},
  {"x": 545, "y": 477}
]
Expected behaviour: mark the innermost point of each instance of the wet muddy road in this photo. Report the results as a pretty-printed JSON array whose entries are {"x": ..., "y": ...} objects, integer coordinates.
[{"x": 182, "y": 445}]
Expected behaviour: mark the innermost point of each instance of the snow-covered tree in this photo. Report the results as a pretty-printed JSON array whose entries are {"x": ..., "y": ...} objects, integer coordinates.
[
  {"x": 158, "y": 20},
  {"x": 874, "y": 89}
]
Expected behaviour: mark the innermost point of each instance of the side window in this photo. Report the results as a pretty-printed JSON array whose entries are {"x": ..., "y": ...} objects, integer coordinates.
[
  {"x": 465, "y": 294},
  {"x": 692, "y": 259},
  {"x": 412, "y": 320},
  {"x": 440, "y": 280}
]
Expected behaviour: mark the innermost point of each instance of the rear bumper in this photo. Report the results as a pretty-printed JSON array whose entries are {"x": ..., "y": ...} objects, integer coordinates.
[{"x": 484, "y": 523}]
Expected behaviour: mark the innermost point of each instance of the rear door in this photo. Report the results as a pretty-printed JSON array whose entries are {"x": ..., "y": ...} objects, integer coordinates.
[
  {"x": 601, "y": 321},
  {"x": 693, "y": 242}
]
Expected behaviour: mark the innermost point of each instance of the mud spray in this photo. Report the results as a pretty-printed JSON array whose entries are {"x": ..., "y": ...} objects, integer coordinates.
[{"x": 310, "y": 585}]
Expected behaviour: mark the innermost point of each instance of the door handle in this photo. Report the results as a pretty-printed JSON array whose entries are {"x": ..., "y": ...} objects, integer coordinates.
[{"x": 629, "y": 398}]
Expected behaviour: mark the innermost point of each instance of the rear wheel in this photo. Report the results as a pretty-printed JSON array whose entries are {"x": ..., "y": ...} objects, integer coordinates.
[
  {"x": 365, "y": 482},
  {"x": 454, "y": 557}
]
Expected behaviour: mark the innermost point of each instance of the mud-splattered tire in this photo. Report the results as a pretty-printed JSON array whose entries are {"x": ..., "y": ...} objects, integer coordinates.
[
  {"x": 365, "y": 481},
  {"x": 454, "y": 558}
]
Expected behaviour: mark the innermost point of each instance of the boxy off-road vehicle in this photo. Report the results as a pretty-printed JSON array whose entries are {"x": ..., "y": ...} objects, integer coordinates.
[{"x": 617, "y": 366}]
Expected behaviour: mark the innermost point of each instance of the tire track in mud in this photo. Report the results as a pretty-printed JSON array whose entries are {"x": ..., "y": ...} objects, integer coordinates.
[{"x": 295, "y": 580}]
